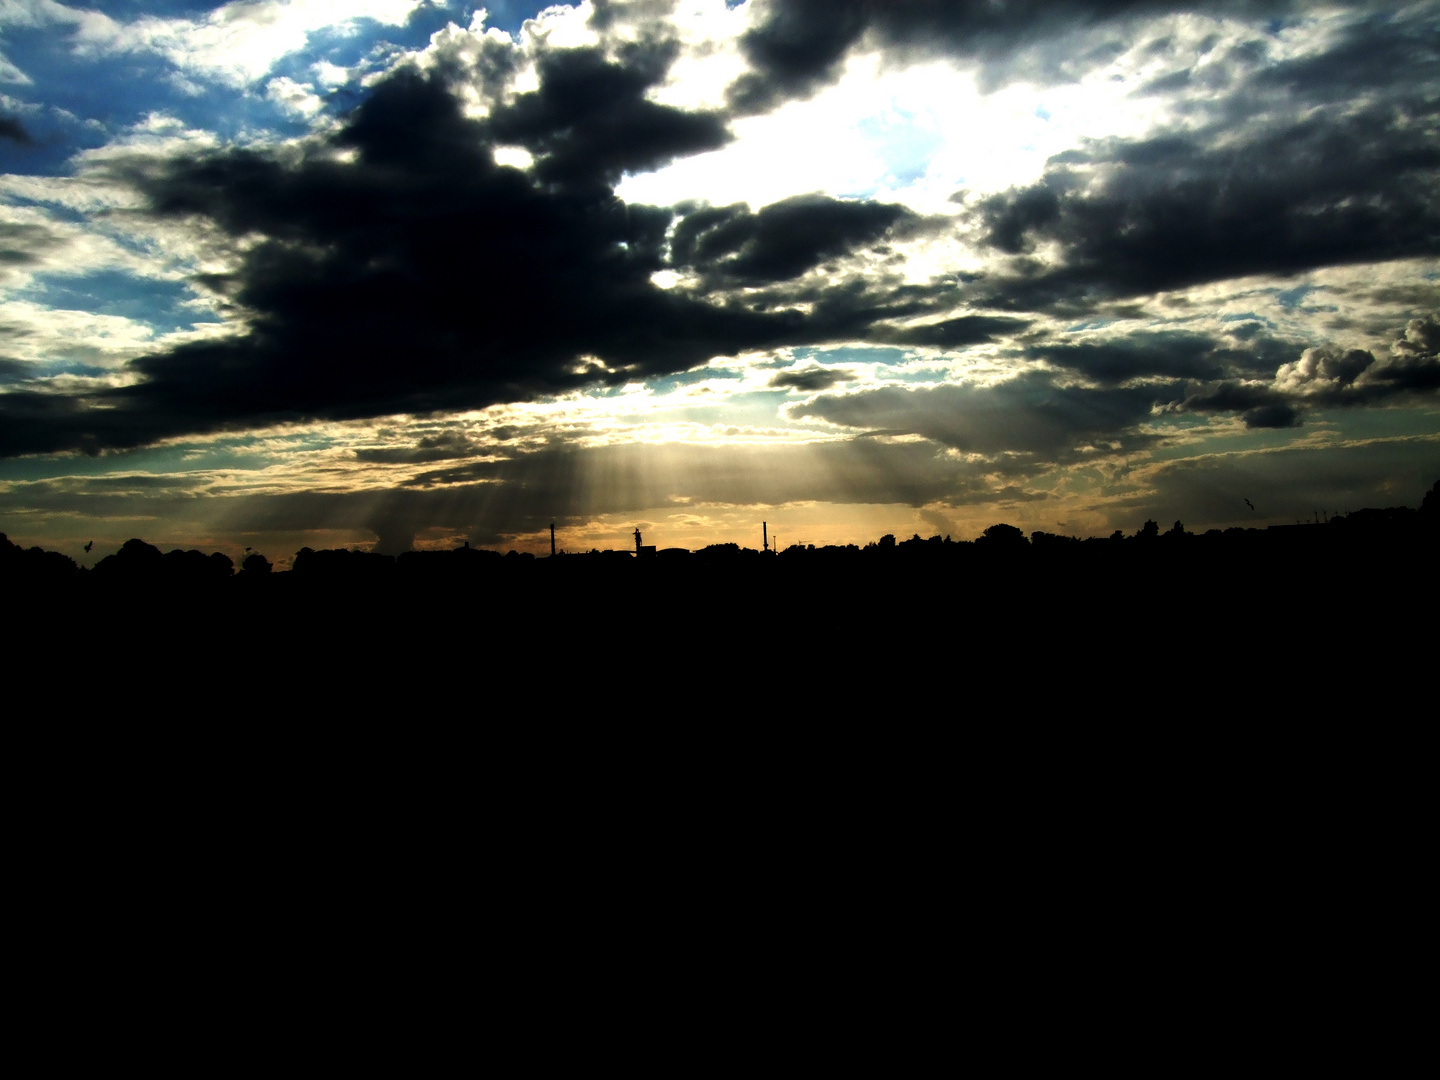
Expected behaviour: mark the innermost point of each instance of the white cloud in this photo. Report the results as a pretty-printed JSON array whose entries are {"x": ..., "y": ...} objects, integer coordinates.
[
  {"x": 328, "y": 74},
  {"x": 40, "y": 242},
  {"x": 560, "y": 26},
  {"x": 910, "y": 134},
  {"x": 40, "y": 335},
  {"x": 515, "y": 156},
  {"x": 238, "y": 43},
  {"x": 11, "y": 74},
  {"x": 297, "y": 98},
  {"x": 89, "y": 29},
  {"x": 914, "y": 132},
  {"x": 1321, "y": 370},
  {"x": 241, "y": 42}
]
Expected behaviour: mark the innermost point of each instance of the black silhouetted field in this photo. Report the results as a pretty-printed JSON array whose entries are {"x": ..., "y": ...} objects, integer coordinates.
[{"x": 1290, "y": 605}]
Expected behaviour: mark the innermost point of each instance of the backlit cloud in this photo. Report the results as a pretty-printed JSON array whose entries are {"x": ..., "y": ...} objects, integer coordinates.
[{"x": 432, "y": 271}]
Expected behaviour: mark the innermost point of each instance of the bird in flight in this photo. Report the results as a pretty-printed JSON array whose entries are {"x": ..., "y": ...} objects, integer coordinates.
[
  {"x": 88, "y": 546},
  {"x": 1249, "y": 504}
]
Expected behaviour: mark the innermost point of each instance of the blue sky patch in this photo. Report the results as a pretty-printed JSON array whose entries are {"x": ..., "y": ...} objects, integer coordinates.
[{"x": 162, "y": 305}]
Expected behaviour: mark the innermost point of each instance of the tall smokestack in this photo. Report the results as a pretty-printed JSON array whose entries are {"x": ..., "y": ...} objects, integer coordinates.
[
  {"x": 552, "y": 539},
  {"x": 765, "y": 535}
]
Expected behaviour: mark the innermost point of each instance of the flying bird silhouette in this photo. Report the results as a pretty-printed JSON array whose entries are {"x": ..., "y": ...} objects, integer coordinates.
[
  {"x": 1249, "y": 504},
  {"x": 89, "y": 546}
]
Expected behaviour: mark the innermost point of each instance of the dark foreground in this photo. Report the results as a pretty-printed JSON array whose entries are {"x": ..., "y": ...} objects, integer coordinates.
[{"x": 1169, "y": 615}]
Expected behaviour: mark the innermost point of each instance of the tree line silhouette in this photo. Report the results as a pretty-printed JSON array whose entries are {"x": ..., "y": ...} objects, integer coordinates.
[
  {"x": 819, "y": 631},
  {"x": 1042, "y": 563}
]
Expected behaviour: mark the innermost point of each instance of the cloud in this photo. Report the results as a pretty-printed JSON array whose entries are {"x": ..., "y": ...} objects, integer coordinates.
[
  {"x": 797, "y": 47},
  {"x": 419, "y": 276},
  {"x": 1134, "y": 217},
  {"x": 239, "y": 42},
  {"x": 9, "y": 73},
  {"x": 1322, "y": 370},
  {"x": 1030, "y": 415},
  {"x": 564, "y": 480},
  {"x": 949, "y": 333},
  {"x": 12, "y": 129},
  {"x": 293, "y": 97},
  {"x": 1169, "y": 354},
  {"x": 781, "y": 241},
  {"x": 590, "y": 121},
  {"x": 1239, "y": 215},
  {"x": 1290, "y": 483},
  {"x": 392, "y": 266},
  {"x": 54, "y": 343},
  {"x": 37, "y": 241},
  {"x": 810, "y": 379},
  {"x": 1389, "y": 46},
  {"x": 1331, "y": 376},
  {"x": 242, "y": 41},
  {"x": 1414, "y": 362},
  {"x": 442, "y": 446},
  {"x": 498, "y": 497},
  {"x": 1328, "y": 376},
  {"x": 1260, "y": 405}
]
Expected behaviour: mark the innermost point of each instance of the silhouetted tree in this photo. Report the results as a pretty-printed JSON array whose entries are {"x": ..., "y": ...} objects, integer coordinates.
[
  {"x": 255, "y": 563},
  {"x": 1004, "y": 537}
]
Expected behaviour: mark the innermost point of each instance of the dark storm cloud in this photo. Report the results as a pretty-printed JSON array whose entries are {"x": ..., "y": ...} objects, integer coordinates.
[
  {"x": 1259, "y": 404},
  {"x": 420, "y": 276},
  {"x": 948, "y": 333},
  {"x": 12, "y": 129},
  {"x": 781, "y": 241},
  {"x": 811, "y": 379},
  {"x": 1392, "y": 47},
  {"x": 1030, "y": 415},
  {"x": 1278, "y": 415},
  {"x": 865, "y": 304},
  {"x": 796, "y": 50},
  {"x": 1170, "y": 354},
  {"x": 590, "y": 120},
  {"x": 1134, "y": 217},
  {"x": 799, "y": 46}
]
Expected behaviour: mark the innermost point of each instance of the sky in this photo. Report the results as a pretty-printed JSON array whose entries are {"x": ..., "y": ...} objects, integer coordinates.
[{"x": 398, "y": 274}]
